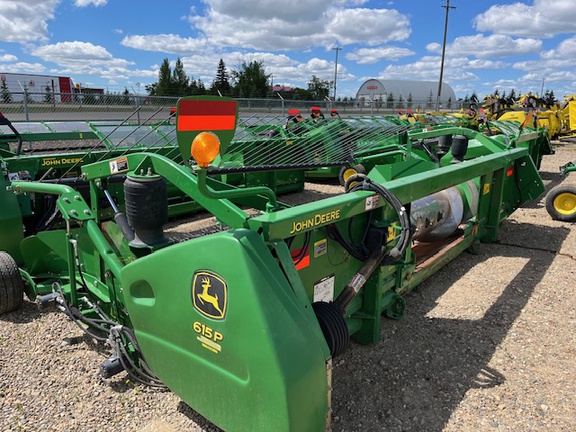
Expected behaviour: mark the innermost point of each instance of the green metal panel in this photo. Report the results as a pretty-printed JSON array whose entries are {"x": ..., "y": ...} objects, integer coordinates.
[
  {"x": 10, "y": 222},
  {"x": 258, "y": 366}
]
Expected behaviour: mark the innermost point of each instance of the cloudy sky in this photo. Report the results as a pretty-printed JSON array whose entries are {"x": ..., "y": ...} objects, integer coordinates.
[{"x": 117, "y": 44}]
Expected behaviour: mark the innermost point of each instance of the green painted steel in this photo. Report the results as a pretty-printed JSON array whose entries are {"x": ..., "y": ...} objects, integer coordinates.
[
  {"x": 229, "y": 321},
  {"x": 10, "y": 221},
  {"x": 261, "y": 366}
]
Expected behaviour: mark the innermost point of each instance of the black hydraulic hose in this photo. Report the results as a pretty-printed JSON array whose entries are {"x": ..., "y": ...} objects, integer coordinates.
[
  {"x": 141, "y": 374},
  {"x": 138, "y": 374},
  {"x": 397, "y": 252},
  {"x": 335, "y": 234},
  {"x": 379, "y": 256},
  {"x": 359, "y": 279},
  {"x": 76, "y": 317}
]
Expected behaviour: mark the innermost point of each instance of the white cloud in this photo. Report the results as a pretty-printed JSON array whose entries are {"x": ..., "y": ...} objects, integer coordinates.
[
  {"x": 552, "y": 61},
  {"x": 374, "y": 55},
  {"x": 262, "y": 25},
  {"x": 8, "y": 58},
  {"x": 262, "y": 10},
  {"x": 565, "y": 50},
  {"x": 545, "y": 18},
  {"x": 428, "y": 69},
  {"x": 488, "y": 46},
  {"x": 24, "y": 67},
  {"x": 26, "y": 20},
  {"x": 371, "y": 26},
  {"x": 84, "y": 58},
  {"x": 168, "y": 43},
  {"x": 84, "y": 3}
]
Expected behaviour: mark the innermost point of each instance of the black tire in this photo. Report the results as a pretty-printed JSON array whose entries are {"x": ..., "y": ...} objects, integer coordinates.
[
  {"x": 11, "y": 284},
  {"x": 348, "y": 171},
  {"x": 561, "y": 203}
]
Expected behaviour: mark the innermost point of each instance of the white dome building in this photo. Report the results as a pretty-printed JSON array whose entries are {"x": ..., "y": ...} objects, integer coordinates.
[{"x": 420, "y": 93}]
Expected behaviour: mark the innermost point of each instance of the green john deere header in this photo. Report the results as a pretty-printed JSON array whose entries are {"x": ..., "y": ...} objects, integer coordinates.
[{"x": 243, "y": 321}]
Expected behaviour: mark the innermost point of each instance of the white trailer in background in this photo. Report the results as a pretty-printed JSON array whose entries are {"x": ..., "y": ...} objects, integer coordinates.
[{"x": 37, "y": 87}]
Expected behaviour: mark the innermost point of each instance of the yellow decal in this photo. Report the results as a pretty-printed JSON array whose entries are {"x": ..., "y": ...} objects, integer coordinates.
[
  {"x": 320, "y": 248},
  {"x": 61, "y": 161},
  {"x": 391, "y": 234},
  {"x": 316, "y": 220},
  {"x": 210, "y": 294},
  {"x": 486, "y": 188},
  {"x": 208, "y": 337}
]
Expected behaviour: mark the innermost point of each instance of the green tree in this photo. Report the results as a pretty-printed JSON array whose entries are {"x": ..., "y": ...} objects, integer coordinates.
[
  {"x": 318, "y": 89},
  {"x": 180, "y": 82},
  {"x": 48, "y": 95},
  {"x": 201, "y": 87},
  {"x": 221, "y": 84},
  {"x": 409, "y": 101},
  {"x": 299, "y": 93},
  {"x": 466, "y": 102},
  {"x": 173, "y": 82},
  {"x": 390, "y": 100},
  {"x": 164, "y": 86},
  {"x": 5, "y": 94},
  {"x": 126, "y": 96},
  {"x": 251, "y": 80},
  {"x": 113, "y": 98},
  {"x": 152, "y": 89},
  {"x": 429, "y": 103},
  {"x": 474, "y": 97},
  {"x": 197, "y": 87}
]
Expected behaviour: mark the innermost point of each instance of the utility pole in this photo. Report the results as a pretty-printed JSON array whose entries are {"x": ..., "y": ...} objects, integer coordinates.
[
  {"x": 447, "y": 7},
  {"x": 336, "y": 70}
]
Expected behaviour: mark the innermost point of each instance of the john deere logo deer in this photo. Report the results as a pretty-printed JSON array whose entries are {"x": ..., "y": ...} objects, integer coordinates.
[{"x": 210, "y": 294}]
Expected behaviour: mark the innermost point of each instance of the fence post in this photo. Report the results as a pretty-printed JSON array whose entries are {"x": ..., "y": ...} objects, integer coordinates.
[
  {"x": 26, "y": 116},
  {"x": 137, "y": 110}
]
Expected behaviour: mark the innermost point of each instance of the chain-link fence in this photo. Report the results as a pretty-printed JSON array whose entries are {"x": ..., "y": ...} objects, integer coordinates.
[{"x": 27, "y": 106}]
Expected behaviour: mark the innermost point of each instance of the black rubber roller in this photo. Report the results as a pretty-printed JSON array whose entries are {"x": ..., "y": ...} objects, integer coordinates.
[{"x": 333, "y": 327}]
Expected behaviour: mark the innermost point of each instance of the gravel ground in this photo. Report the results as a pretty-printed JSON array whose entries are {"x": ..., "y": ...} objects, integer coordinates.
[{"x": 487, "y": 344}]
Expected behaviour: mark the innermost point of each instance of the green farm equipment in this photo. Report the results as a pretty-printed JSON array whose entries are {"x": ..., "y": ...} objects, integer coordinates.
[
  {"x": 561, "y": 199},
  {"x": 329, "y": 148},
  {"x": 243, "y": 323}
]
